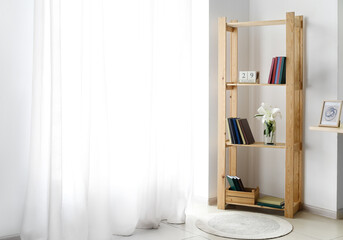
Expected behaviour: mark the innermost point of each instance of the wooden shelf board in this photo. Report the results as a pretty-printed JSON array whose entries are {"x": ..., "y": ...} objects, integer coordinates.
[
  {"x": 258, "y": 145},
  {"x": 255, "y": 206},
  {"x": 327, "y": 129},
  {"x": 253, "y": 84},
  {"x": 256, "y": 23}
]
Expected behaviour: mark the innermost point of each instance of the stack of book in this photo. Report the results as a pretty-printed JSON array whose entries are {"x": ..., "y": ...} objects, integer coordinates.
[
  {"x": 277, "y": 74},
  {"x": 270, "y": 201},
  {"x": 235, "y": 183},
  {"x": 239, "y": 131}
]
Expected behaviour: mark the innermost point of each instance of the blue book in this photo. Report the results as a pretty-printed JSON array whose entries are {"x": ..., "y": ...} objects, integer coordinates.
[
  {"x": 232, "y": 131},
  {"x": 239, "y": 140},
  {"x": 277, "y": 70}
]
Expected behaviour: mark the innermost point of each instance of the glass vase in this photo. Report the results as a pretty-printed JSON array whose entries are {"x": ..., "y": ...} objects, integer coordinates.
[{"x": 269, "y": 132}]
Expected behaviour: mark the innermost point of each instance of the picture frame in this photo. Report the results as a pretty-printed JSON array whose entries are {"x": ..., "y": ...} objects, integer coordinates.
[{"x": 331, "y": 113}]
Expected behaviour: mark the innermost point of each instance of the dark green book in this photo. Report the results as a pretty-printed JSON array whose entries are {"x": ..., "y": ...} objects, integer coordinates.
[
  {"x": 283, "y": 80},
  {"x": 270, "y": 205},
  {"x": 236, "y": 182},
  {"x": 231, "y": 183}
]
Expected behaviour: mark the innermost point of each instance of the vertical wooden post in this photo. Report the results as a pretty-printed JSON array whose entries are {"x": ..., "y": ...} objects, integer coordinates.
[
  {"x": 233, "y": 94},
  {"x": 301, "y": 181},
  {"x": 296, "y": 111},
  {"x": 221, "y": 111},
  {"x": 290, "y": 114}
]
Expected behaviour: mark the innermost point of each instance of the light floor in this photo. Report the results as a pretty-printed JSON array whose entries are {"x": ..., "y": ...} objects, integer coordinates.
[{"x": 306, "y": 226}]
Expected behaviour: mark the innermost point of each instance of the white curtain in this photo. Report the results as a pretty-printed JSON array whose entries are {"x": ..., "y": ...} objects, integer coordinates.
[{"x": 111, "y": 118}]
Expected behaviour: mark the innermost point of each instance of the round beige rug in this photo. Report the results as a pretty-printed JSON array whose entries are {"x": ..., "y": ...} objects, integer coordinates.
[{"x": 244, "y": 225}]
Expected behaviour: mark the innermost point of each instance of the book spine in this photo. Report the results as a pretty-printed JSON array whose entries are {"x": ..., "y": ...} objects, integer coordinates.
[
  {"x": 284, "y": 71},
  {"x": 232, "y": 132},
  {"x": 277, "y": 70},
  {"x": 230, "y": 181},
  {"x": 281, "y": 70},
  {"x": 271, "y": 71},
  {"x": 240, "y": 131},
  {"x": 236, "y": 131},
  {"x": 269, "y": 205},
  {"x": 274, "y": 70},
  {"x": 241, "y": 184},
  {"x": 235, "y": 181},
  {"x": 244, "y": 135},
  {"x": 248, "y": 132},
  {"x": 228, "y": 130}
]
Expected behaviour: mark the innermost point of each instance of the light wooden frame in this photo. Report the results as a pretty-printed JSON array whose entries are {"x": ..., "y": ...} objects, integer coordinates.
[
  {"x": 338, "y": 116},
  {"x": 294, "y": 108}
]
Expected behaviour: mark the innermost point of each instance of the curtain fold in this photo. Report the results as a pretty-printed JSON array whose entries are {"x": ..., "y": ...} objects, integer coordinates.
[{"x": 111, "y": 118}]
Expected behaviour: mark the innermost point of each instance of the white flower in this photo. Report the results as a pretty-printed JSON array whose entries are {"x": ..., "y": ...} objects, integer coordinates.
[{"x": 268, "y": 113}]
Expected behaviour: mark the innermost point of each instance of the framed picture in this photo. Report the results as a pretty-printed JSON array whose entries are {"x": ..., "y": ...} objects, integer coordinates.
[{"x": 331, "y": 113}]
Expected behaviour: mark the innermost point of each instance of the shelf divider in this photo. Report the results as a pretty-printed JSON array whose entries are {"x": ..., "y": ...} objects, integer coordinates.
[
  {"x": 257, "y": 23},
  {"x": 257, "y": 145},
  {"x": 327, "y": 129}
]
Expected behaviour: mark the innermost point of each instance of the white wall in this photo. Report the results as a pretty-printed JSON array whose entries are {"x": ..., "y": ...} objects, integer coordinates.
[
  {"x": 340, "y": 96},
  {"x": 320, "y": 78},
  {"x": 233, "y": 10},
  {"x": 16, "y": 32}
]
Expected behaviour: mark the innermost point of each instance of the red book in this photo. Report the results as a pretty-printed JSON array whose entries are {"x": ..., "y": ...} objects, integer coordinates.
[
  {"x": 274, "y": 71},
  {"x": 271, "y": 71}
]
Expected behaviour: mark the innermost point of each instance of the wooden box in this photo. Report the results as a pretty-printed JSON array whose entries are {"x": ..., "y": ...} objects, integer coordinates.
[{"x": 249, "y": 196}]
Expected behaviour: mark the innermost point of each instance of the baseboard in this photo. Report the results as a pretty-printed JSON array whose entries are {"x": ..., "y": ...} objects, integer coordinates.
[
  {"x": 12, "y": 237},
  {"x": 340, "y": 213},
  {"x": 324, "y": 212},
  {"x": 212, "y": 201}
]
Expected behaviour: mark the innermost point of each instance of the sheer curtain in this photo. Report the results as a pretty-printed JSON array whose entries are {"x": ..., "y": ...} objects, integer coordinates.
[{"x": 111, "y": 118}]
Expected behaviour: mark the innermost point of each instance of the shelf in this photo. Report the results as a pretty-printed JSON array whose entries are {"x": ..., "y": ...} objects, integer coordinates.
[
  {"x": 256, "y": 23},
  {"x": 228, "y": 101},
  {"x": 257, "y": 145},
  {"x": 327, "y": 129},
  {"x": 255, "y": 206},
  {"x": 232, "y": 85}
]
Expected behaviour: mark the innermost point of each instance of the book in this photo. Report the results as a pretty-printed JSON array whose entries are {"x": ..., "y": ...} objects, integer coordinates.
[
  {"x": 271, "y": 200},
  {"x": 231, "y": 183},
  {"x": 228, "y": 130},
  {"x": 283, "y": 81},
  {"x": 282, "y": 68},
  {"x": 277, "y": 70},
  {"x": 236, "y": 182},
  {"x": 271, "y": 71},
  {"x": 240, "y": 184},
  {"x": 239, "y": 141},
  {"x": 278, "y": 75},
  {"x": 270, "y": 205},
  {"x": 243, "y": 132},
  {"x": 240, "y": 132},
  {"x": 247, "y": 131},
  {"x": 232, "y": 131},
  {"x": 274, "y": 70}
]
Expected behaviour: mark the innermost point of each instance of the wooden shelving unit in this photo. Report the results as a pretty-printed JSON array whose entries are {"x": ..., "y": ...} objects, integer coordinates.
[{"x": 294, "y": 107}]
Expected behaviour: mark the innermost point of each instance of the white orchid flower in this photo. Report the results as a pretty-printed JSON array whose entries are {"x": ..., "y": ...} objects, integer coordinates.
[
  {"x": 276, "y": 112},
  {"x": 268, "y": 113}
]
